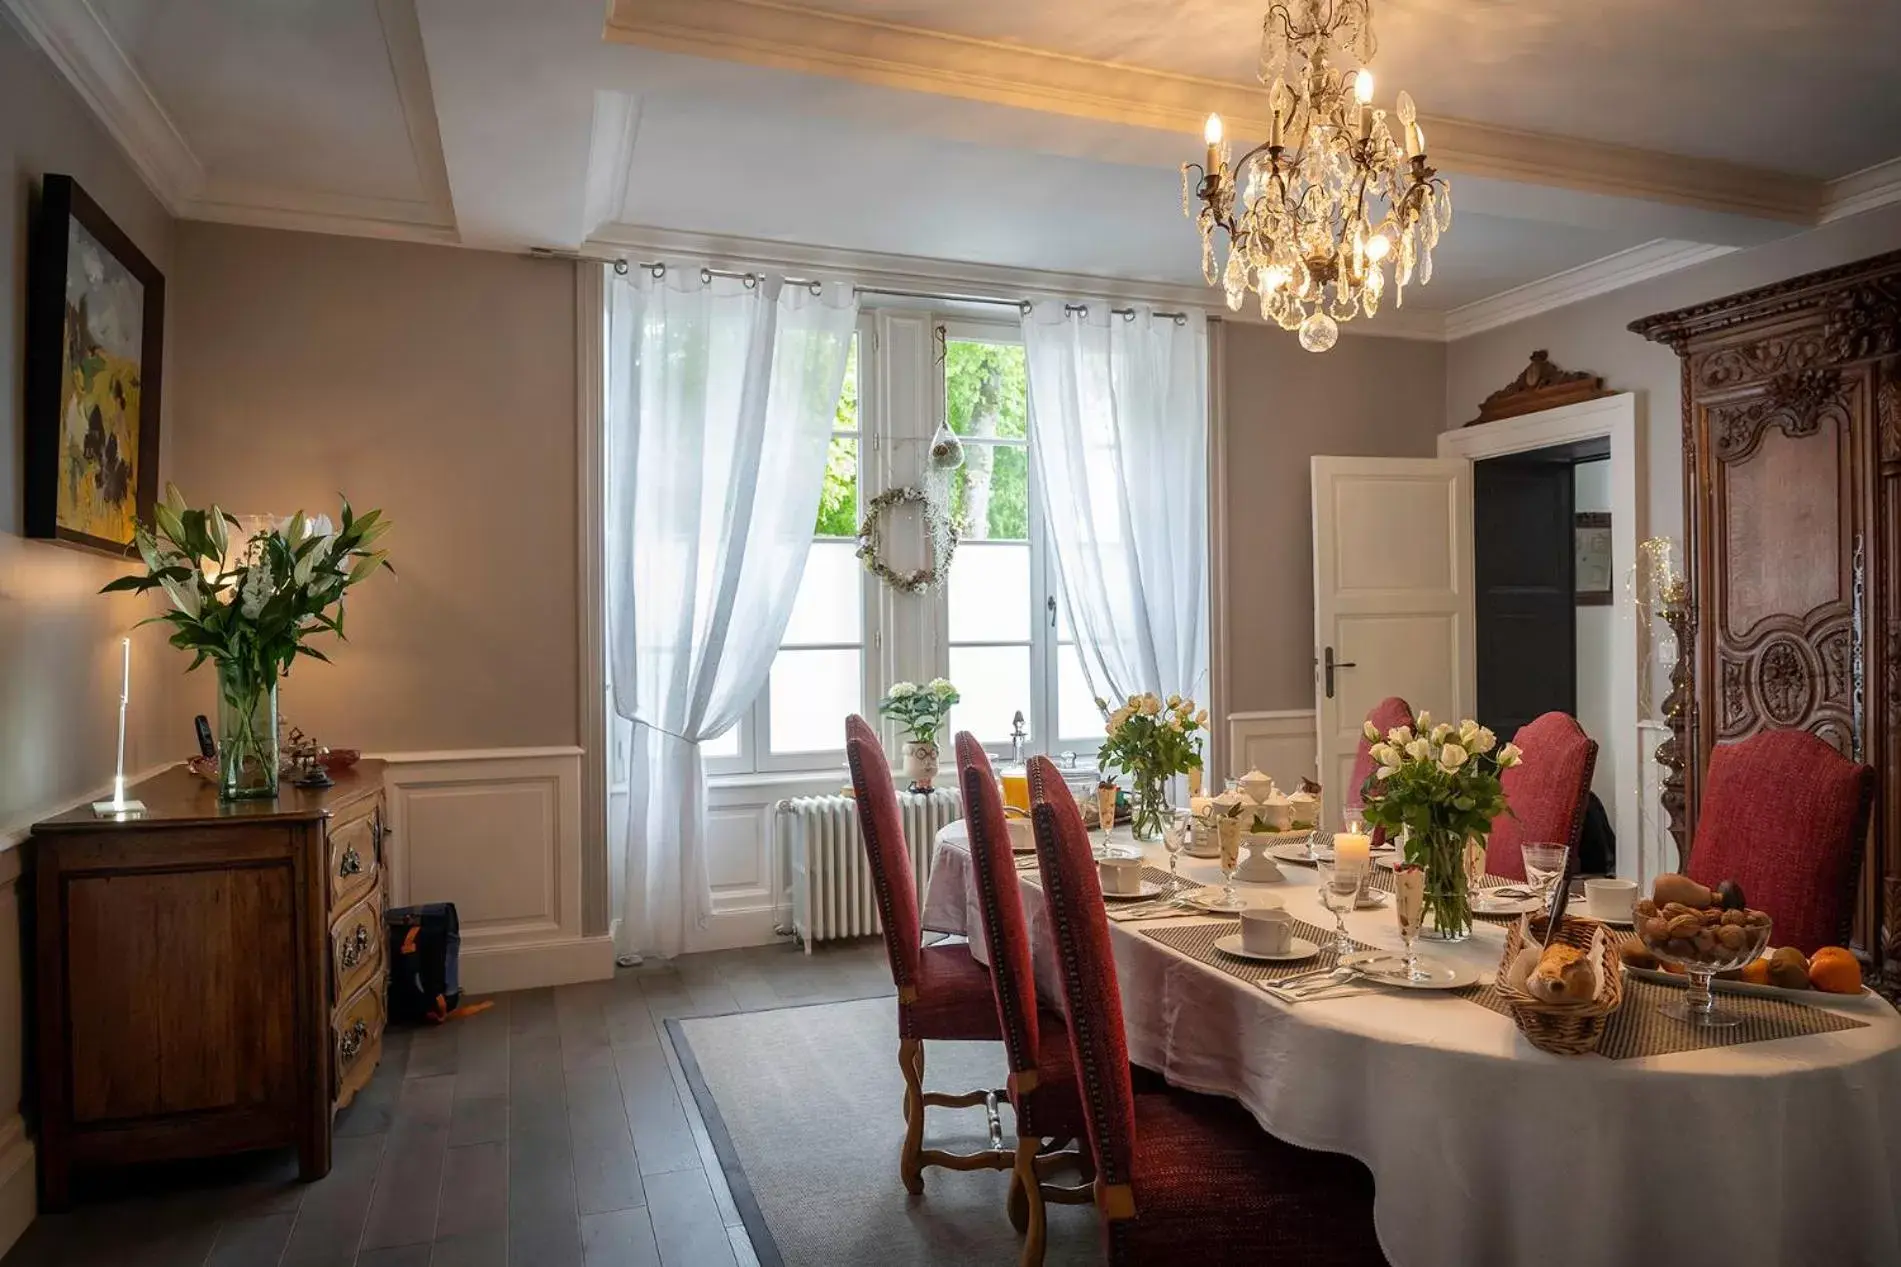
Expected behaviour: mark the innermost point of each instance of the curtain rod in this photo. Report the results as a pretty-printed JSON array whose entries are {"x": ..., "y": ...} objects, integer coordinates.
[{"x": 622, "y": 266}]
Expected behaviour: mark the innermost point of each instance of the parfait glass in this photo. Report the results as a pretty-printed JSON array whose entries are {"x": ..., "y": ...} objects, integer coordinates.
[
  {"x": 1409, "y": 906},
  {"x": 1340, "y": 892},
  {"x": 1105, "y": 817},
  {"x": 1228, "y": 832}
]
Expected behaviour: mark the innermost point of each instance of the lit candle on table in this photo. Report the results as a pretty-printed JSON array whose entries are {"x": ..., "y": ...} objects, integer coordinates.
[{"x": 1352, "y": 851}]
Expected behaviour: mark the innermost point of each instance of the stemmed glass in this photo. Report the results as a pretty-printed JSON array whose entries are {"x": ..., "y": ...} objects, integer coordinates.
[
  {"x": 1544, "y": 867},
  {"x": 1175, "y": 839},
  {"x": 1340, "y": 892},
  {"x": 1105, "y": 817},
  {"x": 1228, "y": 830},
  {"x": 1409, "y": 904}
]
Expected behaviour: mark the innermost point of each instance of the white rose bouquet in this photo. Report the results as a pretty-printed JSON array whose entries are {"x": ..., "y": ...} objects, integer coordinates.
[
  {"x": 1152, "y": 740},
  {"x": 1438, "y": 784},
  {"x": 920, "y": 710}
]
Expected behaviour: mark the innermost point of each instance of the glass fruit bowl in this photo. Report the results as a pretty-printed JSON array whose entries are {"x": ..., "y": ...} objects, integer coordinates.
[{"x": 1703, "y": 943}]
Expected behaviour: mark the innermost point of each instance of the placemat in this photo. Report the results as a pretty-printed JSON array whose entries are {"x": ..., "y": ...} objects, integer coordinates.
[
  {"x": 1197, "y": 941},
  {"x": 1637, "y": 1028}
]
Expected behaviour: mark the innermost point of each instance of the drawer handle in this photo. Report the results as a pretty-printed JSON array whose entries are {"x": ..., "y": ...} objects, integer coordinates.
[
  {"x": 353, "y": 948},
  {"x": 352, "y": 1040},
  {"x": 352, "y": 862}
]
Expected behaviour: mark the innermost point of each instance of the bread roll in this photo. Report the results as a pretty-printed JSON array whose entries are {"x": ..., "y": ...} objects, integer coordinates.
[{"x": 1563, "y": 975}]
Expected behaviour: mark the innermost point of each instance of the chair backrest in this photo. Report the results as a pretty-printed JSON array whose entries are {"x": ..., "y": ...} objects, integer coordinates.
[
  {"x": 882, "y": 828},
  {"x": 1549, "y": 792},
  {"x": 1072, "y": 890},
  {"x": 1388, "y": 714},
  {"x": 1000, "y": 902},
  {"x": 1784, "y": 815}
]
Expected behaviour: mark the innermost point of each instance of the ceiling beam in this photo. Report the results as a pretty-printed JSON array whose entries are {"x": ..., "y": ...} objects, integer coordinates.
[{"x": 871, "y": 51}]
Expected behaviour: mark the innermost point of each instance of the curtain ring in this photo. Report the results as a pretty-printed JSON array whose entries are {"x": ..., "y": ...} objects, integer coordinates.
[
  {"x": 1081, "y": 310},
  {"x": 1128, "y": 314},
  {"x": 658, "y": 270},
  {"x": 706, "y": 277},
  {"x": 818, "y": 289},
  {"x": 1025, "y": 307},
  {"x": 751, "y": 281},
  {"x": 620, "y": 268},
  {"x": 1181, "y": 318}
]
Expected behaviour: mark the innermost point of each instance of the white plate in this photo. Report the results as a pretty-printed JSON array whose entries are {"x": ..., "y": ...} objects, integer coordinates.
[
  {"x": 1300, "y": 949},
  {"x": 1372, "y": 900},
  {"x": 1290, "y": 852},
  {"x": 1489, "y": 905},
  {"x": 1150, "y": 888},
  {"x": 1116, "y": 849},
  {"x": 1819, "y": 997},
  {"x": 1614, "y": 923},
  {"x": 1389, "y": 970},
  {"x": 1252, "y": 901}
]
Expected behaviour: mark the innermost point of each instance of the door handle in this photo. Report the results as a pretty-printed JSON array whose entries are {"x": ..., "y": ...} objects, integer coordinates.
[{"x": 1331, "y": 665}]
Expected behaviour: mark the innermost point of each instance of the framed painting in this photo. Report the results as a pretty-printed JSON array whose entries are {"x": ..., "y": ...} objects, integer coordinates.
[
  {"x": 1593, "y": 568},
  {"x": 95, "y": 314}
]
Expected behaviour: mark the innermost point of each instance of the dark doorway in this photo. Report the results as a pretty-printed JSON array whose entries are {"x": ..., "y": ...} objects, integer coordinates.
[{"x": 1524, "y": 559}]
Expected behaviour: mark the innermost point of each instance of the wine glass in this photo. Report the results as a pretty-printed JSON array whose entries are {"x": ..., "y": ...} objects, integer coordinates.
[
  {"x": 1175, "y": 836},
  {"x": 1340, "y": 892},
  {"x": 1228, "y": 832},
  {"x": 1544, "y": 867},
  {"x": 1409, "y": 905},
  {"x": 1105, "y": 817}
]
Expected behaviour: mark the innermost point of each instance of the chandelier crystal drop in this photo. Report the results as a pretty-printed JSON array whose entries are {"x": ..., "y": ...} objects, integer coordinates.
[{"x": 1313, "y": 216}]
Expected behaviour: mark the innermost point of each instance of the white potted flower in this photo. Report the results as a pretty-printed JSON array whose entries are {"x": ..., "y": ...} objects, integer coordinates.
[{"x": 920, "y": 712}]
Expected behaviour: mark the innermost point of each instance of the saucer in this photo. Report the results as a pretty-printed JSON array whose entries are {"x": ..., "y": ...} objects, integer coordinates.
[
  {"x": 1209, "y": 900},
  {"x": 1372, "y": 899},
  {"x": 1625, "y": 922},
  {"x": 1299, "y": 949},
  {"x": 1116, "y": 849},
  {"x": 1150, "y": 888},
  {"x": 1489, "y": 905},
  {"x": 1292, "y": 852}
]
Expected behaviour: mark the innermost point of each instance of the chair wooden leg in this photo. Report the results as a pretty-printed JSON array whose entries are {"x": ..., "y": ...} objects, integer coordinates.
[
  {"x": 1026, "y": 1203},
  {"x": 911, "y": 1160}
]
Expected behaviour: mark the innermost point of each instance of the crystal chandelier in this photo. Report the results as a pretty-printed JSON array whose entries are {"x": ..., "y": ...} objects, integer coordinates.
[{"x": 1314, "y": 215}]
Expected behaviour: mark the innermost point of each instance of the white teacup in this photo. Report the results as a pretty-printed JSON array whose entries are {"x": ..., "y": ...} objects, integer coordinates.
[
  {"x": 1267, "y": 930},
  {"x": 1610, "y": 898},
  {"x": 1121, "y": 877}
]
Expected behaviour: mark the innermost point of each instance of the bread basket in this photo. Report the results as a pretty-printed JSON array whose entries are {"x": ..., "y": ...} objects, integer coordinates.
[{"x": 1564, "y": 1029}]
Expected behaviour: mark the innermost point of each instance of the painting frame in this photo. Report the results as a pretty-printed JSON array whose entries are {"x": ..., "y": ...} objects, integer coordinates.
[
  {"x": 1591, "y": 571},
  {"x": 68, "y": 215}
]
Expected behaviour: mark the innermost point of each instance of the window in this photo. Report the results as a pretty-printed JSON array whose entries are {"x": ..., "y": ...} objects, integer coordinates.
[{"x": 997, "y": 629}]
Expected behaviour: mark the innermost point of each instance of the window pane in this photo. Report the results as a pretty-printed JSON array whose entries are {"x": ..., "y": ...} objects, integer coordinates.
[
  {"x": 727, "y": 745},
  {"x": 847, "y": 411},
  {"x": 990, "y": 494},
  {"x": 1076, "y": 714},
  {"x": 995, "y": 684},
  {"x": 838, "y": 499},
  {"x": 984, "y": 388},
  {"x": 812, "y": 693},
  {"x": 829, "y": 607},
  {"x": 990, "y": 593}
]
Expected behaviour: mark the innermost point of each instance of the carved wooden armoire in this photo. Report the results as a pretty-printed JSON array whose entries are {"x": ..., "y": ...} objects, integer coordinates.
[{"x": 1792, "y": 520}]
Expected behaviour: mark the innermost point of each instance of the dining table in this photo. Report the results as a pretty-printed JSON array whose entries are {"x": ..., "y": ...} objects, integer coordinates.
[{"x": 1686, "y": 1148}]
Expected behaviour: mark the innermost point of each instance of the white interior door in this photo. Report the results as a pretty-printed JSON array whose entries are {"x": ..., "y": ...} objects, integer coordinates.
[{"x": 1392, "y": 597}]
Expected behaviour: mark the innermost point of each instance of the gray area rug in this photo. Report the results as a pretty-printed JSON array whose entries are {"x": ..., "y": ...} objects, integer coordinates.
[{"x": 803, "y": 1105}]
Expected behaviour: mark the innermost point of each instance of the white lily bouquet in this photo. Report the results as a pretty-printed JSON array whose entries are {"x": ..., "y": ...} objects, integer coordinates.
[{"x": 1439, "y": 785}]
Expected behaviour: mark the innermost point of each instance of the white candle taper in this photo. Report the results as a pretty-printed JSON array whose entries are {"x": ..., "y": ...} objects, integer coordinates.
[{"x": 118, "y": 804}]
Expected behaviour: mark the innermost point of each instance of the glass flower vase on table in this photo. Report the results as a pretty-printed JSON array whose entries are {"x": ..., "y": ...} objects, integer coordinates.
[
  {"x": 920, "y": 711},
  {"x": 250, "y": 597},
  {"x": 1153, "y": 741},
  {"x": 1438, "y": 784}
]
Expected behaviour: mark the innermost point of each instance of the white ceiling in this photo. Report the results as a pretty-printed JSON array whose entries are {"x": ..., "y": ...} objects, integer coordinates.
[{"x": 513, "y": 124}]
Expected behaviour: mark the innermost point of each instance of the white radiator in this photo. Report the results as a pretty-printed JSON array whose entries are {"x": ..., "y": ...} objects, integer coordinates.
[{"x": 832, "y": 893}]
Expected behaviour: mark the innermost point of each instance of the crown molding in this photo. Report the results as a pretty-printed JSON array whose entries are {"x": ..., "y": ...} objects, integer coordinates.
[
  {"x": 953, "y": 280},
  {"x": 78, "y": 44},
  {"x": 1613, "y": 272},
  {"x": 1865, "y": 190},
  {"x": 885, "y": 54}
]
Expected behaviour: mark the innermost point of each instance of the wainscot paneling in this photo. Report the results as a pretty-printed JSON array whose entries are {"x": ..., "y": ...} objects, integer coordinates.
[
  {"x": 497, "y": 832},
  {"x": 1281, "y": 743},
  {"x": 750, "y": 874}
]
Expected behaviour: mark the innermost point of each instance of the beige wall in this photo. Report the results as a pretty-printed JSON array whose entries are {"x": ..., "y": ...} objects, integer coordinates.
[
  {"x": 1592, "y": 335},
  {"x": 1282, "y": 406},
  {"x": 59, "y": 651},
  {"x": 439, "y": 385}
]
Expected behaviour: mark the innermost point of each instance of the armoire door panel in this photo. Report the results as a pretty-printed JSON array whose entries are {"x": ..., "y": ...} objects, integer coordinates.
[{"x": 1788, "y": 490}]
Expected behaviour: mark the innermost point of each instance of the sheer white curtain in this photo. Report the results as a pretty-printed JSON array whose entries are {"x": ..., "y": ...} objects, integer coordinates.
[
  {"x": 719, "y": 411},
  {"x": 1119, "y": 426}
]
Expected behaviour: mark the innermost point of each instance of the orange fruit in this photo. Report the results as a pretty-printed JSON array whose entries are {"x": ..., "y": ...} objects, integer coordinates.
[
  {"x": 1835, "y": 970},
  {"x": 1756, "y": 972}
]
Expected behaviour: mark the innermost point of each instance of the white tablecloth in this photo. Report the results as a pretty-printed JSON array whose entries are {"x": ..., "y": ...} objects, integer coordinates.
[{"x": 1485, "y": 1150}]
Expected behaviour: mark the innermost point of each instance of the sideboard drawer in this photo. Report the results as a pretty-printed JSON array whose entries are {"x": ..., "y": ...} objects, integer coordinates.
[
  {"x": 358, "y": 1038},
  {"x": 356, "y": 945},
  {"x": 353, "y": 858}
]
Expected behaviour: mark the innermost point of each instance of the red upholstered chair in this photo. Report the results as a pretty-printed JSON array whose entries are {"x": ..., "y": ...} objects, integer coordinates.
[
  {"x": 1043, "y": 1086},
  {"x": 1180, "y": 1178},
  {"x": 1389, "y": 714},
  {"x": 943, "y": 993},
  {"x": 1784, "y": 815},
  {"x": 1548, "y": 793}
]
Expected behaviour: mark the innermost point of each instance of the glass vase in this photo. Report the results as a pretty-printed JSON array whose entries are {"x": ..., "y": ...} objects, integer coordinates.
[
  {"x": 1448, "y": 897},
  {"x": 1149, "y": 810},
  {"x": 247, "y": 733}
]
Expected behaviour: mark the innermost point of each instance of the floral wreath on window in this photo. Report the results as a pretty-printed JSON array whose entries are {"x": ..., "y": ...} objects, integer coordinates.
[{"x": 937, "y": 526}]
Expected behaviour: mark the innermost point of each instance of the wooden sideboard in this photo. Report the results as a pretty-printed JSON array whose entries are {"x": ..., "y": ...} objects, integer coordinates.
[
  {"x": 209, "y": 977},
  {"x": 1792, "y": 521}
]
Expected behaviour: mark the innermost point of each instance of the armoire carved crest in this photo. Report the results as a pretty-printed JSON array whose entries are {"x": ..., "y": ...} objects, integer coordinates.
[{"x": 1792, "y": 518}]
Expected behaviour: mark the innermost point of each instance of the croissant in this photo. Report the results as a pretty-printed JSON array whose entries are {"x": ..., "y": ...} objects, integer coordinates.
[{"x": 1563, "y": 975}]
